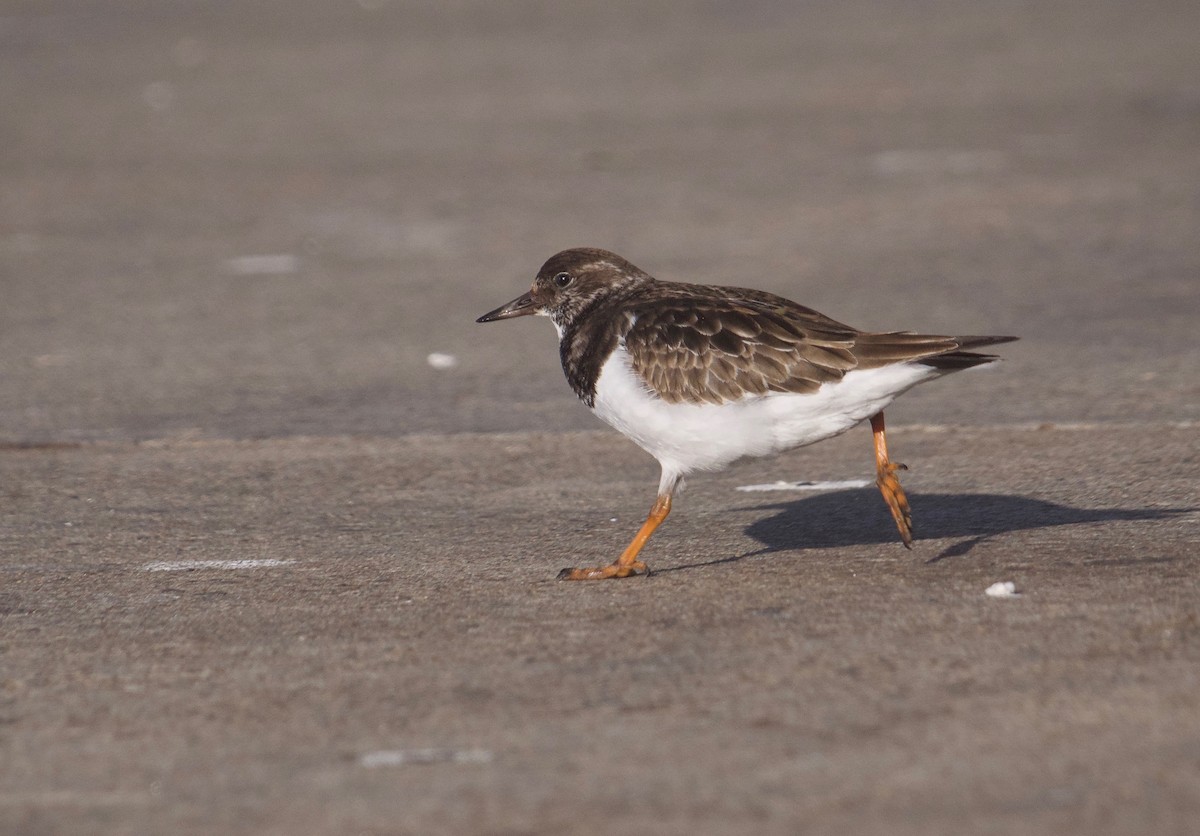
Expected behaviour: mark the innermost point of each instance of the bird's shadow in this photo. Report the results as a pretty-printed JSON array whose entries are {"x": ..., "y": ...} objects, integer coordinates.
[{"x": 846, "y": 518}]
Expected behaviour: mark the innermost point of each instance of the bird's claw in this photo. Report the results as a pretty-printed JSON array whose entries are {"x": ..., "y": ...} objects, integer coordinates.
[
  {"x": 897, "y": 502},
  {"x": 597, "y": 573}
]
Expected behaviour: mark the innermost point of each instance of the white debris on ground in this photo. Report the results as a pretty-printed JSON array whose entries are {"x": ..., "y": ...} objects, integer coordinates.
[
  {"x": 158, "y": 95},
  {"x": 806, "y": 486},
  {"x": 1002, "y": 589},
  {"x": 406, "y": 757},
  {"x": 904, "y": 161},
  {"x": 262, "y": 265},
  {"x": 442, "y": 361},
  {"x": 189, "y": 565}
]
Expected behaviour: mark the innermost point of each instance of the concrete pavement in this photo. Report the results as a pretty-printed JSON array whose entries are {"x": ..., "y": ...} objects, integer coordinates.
[
  {"x": 265, "y": 568},
  {"x": 333, "y": 635}
]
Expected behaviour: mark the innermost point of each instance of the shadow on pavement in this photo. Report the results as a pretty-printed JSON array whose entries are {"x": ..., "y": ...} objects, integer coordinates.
[{"x": 859, "y": 517}]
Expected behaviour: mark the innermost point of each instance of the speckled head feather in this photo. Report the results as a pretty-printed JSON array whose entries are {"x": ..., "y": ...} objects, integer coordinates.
[{"x": 573, "y": 282}]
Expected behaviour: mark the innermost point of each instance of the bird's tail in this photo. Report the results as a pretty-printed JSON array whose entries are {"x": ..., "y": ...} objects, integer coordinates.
[
  {"x": 945, "y": 353},
  {"x": 956, "y": 360}
]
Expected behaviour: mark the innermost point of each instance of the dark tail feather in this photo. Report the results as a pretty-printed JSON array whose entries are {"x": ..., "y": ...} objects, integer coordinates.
[
  {"x": 953, "y": 361},
  {"x": 957, "y": 360},
  {"x": 980, "y": 342},
  {"x": 875, "y": 350}
]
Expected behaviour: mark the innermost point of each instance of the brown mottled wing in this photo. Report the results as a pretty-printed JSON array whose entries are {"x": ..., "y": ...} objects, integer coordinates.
[
  {"x": 717, "y": 344},
  {"x": 699, "y": 350}
]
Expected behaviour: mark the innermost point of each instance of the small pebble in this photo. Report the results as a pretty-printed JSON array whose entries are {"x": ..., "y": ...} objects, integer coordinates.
[
  {"x": 1002, "y": 589},
  {"x": 442, "y": 361}
]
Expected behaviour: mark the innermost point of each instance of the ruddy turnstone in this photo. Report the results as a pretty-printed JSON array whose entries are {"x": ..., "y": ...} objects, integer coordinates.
[{"x": 701, "y": 376}]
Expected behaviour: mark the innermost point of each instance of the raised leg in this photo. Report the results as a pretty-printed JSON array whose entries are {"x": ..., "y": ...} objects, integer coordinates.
[
  {"x": 889, "y": 483},
  {"x": 627, "y": 564}
]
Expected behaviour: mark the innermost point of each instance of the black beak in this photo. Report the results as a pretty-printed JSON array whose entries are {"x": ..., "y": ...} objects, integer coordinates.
[{"x": 521, "y": 306}]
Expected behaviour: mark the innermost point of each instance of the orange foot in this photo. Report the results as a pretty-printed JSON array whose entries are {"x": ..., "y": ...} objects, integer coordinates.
[
  {"x": 897, "y": 502},
  {"x": 597, "y": 573},
  {"x": 889, "y": 483},
  {"x": 627, "y": 564}
]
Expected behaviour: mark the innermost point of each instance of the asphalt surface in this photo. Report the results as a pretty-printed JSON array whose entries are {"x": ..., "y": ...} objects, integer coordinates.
[{"x": 267, "y": 567}]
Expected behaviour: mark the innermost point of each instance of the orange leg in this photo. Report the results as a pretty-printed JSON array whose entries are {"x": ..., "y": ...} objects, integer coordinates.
[
  {"x": 889, "y": 483},
  {"x": 627, "y": 564}
]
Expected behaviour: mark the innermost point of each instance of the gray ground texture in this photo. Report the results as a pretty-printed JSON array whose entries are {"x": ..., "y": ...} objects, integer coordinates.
[{"x": 266, "y": 569}]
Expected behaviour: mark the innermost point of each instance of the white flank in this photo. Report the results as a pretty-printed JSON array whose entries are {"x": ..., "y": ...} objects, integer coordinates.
[
  {"x": 1002, "y": 589},
  {"x": 806, "y": 486},
  {"x": 188, "y": 565},
  {"x": 686, "y": 437}
]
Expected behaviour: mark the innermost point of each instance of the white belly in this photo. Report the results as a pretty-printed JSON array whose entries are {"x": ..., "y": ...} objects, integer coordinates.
[{"x": 686, "y": 437}]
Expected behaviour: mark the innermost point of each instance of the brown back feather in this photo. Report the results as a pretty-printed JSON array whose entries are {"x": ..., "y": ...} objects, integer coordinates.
[{"x": 701, "y": 344}]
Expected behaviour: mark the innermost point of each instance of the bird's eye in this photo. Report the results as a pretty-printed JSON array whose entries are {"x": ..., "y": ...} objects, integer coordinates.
[{"x": 562, "y": 279}]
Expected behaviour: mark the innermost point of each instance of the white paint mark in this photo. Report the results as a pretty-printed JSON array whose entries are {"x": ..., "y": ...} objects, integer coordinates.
[
  {"x": 442, "y": 361},
  {"x": 49, "y": 361},
  {"x": 158, "y": 95},
  {"x": 74, "y": 798},
  {"x": 263, "y": 265},
  {"x": 370, "y": 234},
  {"x": 1044, "y": 426},
  {"x": 937, "y": 162},
  {"x": 1002, "y": 589},
  {"x": 807, "y": 486},
  {"x": 189, "y": 565},
  {"x": 407, "y": 757}
]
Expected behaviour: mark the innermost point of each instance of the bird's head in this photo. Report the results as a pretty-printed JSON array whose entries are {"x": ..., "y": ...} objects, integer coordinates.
[{"x": 569, "y": 283}]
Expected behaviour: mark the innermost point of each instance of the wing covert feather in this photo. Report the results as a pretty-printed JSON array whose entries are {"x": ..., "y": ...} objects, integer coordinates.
[
  {"x": 703, "y": 344},
  {"x": 688, "y": 352}
]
